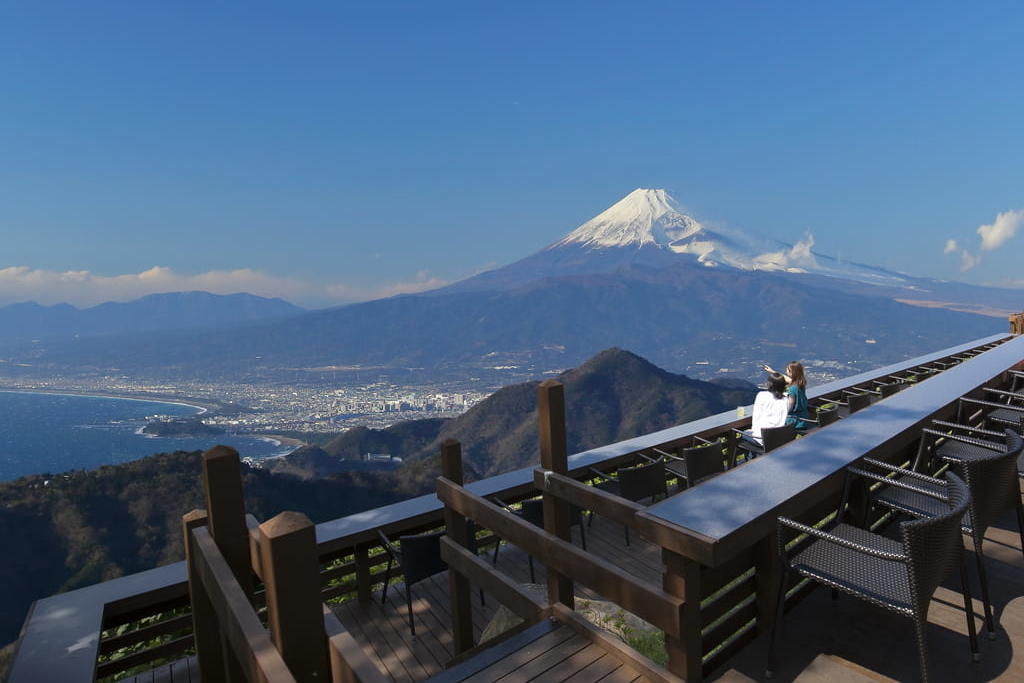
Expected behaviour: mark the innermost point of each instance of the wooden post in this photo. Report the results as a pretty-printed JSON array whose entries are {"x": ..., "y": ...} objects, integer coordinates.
[
  {"x": 682, "y": 579},
  {"x": 291, "y": 575},
  {"x": 455, "y": 524},
  {"x": 554, "y": 457},
  {"x": 222, "y": 483},
  {"x": 364, "y": 591},
  {"x": 1017, "y": 323},
  {"x": 210, "y": 652},
  {"x": 767, "y": 574}
]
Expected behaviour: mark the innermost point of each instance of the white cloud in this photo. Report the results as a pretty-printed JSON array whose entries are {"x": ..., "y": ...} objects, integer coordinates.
[
  {"x": 83, "y": 288},
  {"x": 951, "y": 247},
  {"x": 998, "y": 233},
  {"x": 345, "y": 292},
  {"x": 798, "y": 257},
  {"x": 968, "y": 260}
]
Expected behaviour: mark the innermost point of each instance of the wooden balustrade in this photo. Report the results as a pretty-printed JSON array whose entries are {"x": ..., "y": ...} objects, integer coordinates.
[{"x": 231, "y": 642}]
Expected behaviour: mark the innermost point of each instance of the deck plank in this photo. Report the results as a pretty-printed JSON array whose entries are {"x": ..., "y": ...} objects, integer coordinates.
[{"x": 524, "y": 663}]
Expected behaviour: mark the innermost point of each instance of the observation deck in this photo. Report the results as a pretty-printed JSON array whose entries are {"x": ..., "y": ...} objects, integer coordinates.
[{"x": 700, "y": 567}]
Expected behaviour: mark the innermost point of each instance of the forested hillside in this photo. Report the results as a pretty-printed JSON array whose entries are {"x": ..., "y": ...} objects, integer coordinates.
[{"x": 61, "y": 532}]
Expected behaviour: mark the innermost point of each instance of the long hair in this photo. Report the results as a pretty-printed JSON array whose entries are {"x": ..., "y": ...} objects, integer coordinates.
[
  {"x": 776, "y": 384},
  {"x": 795, "y": 370}
]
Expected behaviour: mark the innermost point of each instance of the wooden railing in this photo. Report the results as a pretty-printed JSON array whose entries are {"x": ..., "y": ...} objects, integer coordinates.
[
  {"x": 226, "y": 554},
  {"x": 346, "y": 552}
]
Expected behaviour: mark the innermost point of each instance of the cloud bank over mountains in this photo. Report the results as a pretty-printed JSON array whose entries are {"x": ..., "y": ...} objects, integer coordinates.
[
  {"x": 643, "y": 219},
  {"x": 82, "y": 288}
]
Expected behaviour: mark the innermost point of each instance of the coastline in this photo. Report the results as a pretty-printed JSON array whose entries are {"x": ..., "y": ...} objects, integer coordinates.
[
  {"x": 282, "y": 440},
  {"x": 200, "y": 405}
]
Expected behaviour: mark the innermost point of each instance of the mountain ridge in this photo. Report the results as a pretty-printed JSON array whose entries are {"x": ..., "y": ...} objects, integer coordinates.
[
  {"x": 566, "y": 302},
  {"x": 154, "y": 312}
]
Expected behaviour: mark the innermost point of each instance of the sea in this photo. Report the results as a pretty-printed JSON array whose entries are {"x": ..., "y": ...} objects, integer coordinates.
[{"x": 55, "y": 433}]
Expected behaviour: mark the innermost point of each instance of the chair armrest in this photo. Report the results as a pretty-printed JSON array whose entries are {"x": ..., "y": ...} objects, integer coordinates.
[
  {"x": 646, "y": 457},
  {"x": 968, "y": 428},
  {"x": 980, "y": 443},
  {"x": 599, "y": 473},
  {"x": 390, "y": 547},
  {"x": 889, "y": 481},
  {"x": 1006, "y": 394},
  {"x": 668, "y": 456},
  {"x": 991, "y": 404},
  {"x": 843, "y": 542},
  {"x": 705, "y": 441},
  {"x": 502, "y": 504}
]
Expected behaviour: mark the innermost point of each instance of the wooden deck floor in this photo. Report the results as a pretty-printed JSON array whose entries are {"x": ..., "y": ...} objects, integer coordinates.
[{"x": 384, "y": 633}]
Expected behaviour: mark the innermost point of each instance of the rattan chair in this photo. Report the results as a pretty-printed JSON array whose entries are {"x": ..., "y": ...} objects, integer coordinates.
[
  {"x": 419, "y": 557},
  {"x": 952, "y": 441},
  {"x": 822, "y": 417},
  {"x": 899, "y": 575},
  {"x": 771, "y": 438},
  {"x": 994, "y": 487},
  {"x": 855, "y": 401},
  {"x": 695, "y": 464},
  {"x": 885, "y": 389},
  {"x": 633, "y": 483}
]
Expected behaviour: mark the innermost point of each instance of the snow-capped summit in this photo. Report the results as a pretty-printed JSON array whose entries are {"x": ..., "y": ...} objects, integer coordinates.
[
  {"x": 653, "y": 220},
  {"x": 641, "y": 217}
]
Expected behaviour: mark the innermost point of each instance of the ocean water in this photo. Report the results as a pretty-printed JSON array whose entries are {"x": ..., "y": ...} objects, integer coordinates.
[{"x": 53, "y": 433}]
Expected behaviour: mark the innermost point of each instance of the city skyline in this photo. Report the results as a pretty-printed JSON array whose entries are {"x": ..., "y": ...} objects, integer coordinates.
[{"x": 330, "y": 154}]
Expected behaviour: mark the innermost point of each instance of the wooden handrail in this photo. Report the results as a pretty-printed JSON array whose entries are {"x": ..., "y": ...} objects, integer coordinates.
[
  {"x": 608, "y": 505},
  {"x": 648, "y": 602}
]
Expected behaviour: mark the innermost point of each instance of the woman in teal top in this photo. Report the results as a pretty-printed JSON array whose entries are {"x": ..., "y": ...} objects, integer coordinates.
[{"x": 797, "y": 393}]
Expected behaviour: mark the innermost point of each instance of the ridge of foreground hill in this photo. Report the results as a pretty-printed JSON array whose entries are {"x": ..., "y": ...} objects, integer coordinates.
[{"x": 615, "y": 395}]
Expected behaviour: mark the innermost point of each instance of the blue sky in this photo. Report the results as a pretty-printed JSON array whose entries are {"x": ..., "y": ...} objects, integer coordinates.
[{"x": 334, "y": 151}]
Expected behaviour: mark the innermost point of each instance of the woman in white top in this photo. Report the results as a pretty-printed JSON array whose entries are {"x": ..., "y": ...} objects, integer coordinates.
[{"x": 771, "y": 407}]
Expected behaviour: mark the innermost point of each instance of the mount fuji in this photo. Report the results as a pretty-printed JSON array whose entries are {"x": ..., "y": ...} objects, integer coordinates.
[
  {"x": 652, "y": 221},
  {"x": 648, "y": 228},
  {"x": 642, "y": 276}
]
